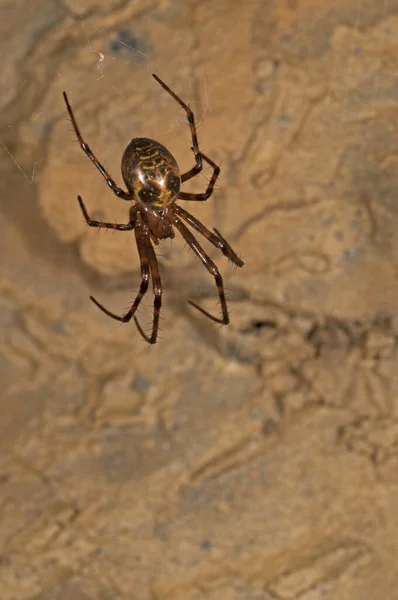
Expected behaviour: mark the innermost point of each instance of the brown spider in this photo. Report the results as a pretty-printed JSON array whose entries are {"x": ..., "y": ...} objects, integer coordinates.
[{"x": 153, "y": 181}]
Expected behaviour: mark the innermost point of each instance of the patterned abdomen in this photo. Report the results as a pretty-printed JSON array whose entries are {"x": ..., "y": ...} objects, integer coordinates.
[{"x": 151, "y": 173}]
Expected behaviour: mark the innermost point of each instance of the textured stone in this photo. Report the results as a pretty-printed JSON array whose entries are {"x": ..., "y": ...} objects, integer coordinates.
[{"x": 254, "y": 461}]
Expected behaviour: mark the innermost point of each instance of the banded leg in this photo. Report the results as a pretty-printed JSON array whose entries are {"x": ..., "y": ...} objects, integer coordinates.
[
  {"x": 119, "y": 226},
  {"x": 86, "y": 148},
  {"x": 217, "y": 240},
  {"x": 142, "y": 250},
  {"x": 210, "y": 266}
]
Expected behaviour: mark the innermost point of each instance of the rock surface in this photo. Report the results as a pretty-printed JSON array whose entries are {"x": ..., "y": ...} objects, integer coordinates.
[{"x": 258, "y": 461}]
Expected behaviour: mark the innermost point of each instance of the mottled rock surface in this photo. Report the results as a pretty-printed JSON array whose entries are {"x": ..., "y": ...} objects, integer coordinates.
[{"x": 257, "y": 461}]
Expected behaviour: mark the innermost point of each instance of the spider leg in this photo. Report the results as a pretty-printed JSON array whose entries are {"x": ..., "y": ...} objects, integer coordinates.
[
  {"x": 210, "y": 266},
  {"x": 209, "y": 190},
  {"x": 197, "y": 168},
  {"x": 157, "y": 291},
  {"x": 191, "y": 120},
  {"x": 142, "y": 251},
  {"x": 86, "y": 148},
  {"x": 119, "y": 226},
  {"x": 217, "y": 240}
]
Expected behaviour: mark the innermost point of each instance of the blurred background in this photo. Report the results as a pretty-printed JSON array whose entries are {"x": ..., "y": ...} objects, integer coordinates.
[{"x": 257, "y": 461}]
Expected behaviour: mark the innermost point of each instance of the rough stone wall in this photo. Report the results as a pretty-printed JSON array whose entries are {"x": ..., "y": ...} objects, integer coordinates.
[{"x": 257, "y": 461}]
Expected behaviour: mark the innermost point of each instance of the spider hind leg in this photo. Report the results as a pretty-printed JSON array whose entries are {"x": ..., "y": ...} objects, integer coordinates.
[
  {"x": 216, "y": 239},
  {"x": 211, "y": 267},
  {"x": 142, "y": 244}
]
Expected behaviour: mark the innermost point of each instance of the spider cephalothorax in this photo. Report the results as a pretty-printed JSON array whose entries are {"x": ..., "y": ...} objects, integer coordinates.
[{"x": 153, "y": 181}]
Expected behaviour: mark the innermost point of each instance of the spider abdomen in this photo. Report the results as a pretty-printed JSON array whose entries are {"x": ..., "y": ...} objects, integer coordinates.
[{"x": 151, "y": 173}]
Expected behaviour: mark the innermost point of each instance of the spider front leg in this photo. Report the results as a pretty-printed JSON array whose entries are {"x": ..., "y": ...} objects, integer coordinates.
[
  {"x": 191, "y": 120},
  {"x": 119, "y": 226},
  {"x": 211, "y": 184},
  {"x": 86, "y": 148},
  {"x": 197, "y": 168}
]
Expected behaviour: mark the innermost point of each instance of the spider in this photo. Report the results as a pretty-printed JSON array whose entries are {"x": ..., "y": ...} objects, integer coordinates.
[{"x": 153, "y": 180}]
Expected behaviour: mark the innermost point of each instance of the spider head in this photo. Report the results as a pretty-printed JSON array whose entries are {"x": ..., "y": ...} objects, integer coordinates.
[
  {"x": 159, "y": 222},
  {"x": 151, "y": 173}
]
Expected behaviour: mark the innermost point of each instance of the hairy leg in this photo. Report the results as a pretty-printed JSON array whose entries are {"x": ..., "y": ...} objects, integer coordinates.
[
  {"x": 157, "y": 291},
  {"x": 210, "y": 266},
  {"x": 119, "y": 226},
  {"x": 86, "y": 148},
  {"x": 145, "y": 275},
  {"x": 216, "y": 239}
]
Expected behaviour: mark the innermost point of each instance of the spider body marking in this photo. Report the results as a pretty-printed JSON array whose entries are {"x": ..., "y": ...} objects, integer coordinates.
[
  {"x": 151, "y": 173},
  {"x": 153, "y": 180}
]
